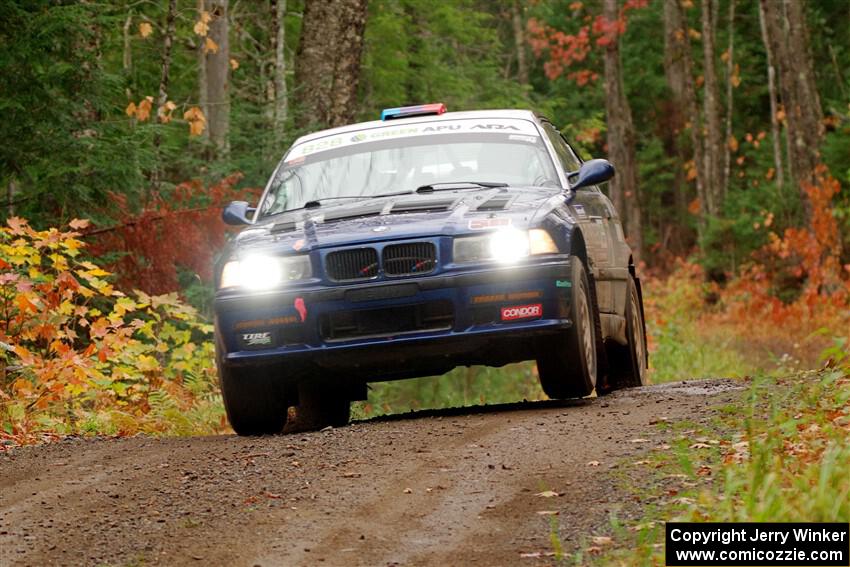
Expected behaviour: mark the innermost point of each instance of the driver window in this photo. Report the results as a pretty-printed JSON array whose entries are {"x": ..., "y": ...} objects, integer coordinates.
[{"x": 568, "y": 161}]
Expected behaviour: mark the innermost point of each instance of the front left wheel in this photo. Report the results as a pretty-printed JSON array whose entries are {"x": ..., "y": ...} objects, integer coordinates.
[
  {"x": 252, "y": 400},
  {"x": 568, "y": 363},
  {"x": 629, "y": 362}
]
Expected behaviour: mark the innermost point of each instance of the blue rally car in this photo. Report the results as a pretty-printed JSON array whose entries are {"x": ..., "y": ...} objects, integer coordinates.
[{"x": 407, "y": 246}]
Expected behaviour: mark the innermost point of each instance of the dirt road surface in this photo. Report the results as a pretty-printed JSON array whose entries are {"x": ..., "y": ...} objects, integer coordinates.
[{"x": 449, "y": 487}]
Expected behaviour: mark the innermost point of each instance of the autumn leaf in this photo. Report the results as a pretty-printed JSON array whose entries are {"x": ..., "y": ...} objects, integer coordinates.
[
  {"x": 733, "y": 143},
  {"x": 79, "y": 224},
  {"x": 547, "y": 494},
  {"x": 131, "y": 109},
  {"x": 202, "y": 27},
  {"x": 163, "y": 113},
  {"x": 196, "y": 119},
  {"x": 210, "y": 46},
  {"x": 234, "y": 64},
  {"x": 145, "y": 29},
  {"x": 143, "y": 112}
]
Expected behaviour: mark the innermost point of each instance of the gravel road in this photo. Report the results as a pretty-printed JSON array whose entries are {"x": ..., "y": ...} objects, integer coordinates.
[{"x": 448, "y": 487}]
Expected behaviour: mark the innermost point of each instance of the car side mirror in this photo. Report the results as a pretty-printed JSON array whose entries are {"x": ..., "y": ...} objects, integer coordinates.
[
  {"x": 592, "y": 172},
  {"x": 236, "y": 213}
]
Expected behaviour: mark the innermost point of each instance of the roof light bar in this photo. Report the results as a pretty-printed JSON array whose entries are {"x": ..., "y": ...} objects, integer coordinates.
[{"x": 434, "y": 109}]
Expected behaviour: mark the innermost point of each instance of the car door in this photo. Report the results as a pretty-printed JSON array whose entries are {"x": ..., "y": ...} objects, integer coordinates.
[{"x": 594, "y": 214}]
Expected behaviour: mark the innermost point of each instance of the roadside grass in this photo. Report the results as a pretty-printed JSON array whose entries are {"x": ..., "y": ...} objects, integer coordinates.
[{"x": 779, "y": 455}]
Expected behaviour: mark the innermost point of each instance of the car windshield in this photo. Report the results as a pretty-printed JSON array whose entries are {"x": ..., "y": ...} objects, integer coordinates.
[{"x": 401, "y": 164}]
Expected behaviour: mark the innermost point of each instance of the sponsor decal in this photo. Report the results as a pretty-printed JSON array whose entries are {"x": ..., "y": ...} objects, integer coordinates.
[
  {"x": 484, "y": 224},
  {"x": 298, "y": 244},
  {"x": 495, "y": 127},
  {"x": 500, "y": 297},
  {"x": 288, "y": 320},
  {"x": 257, "y": 339},
  {"x": 505, "y": 125},
  {"x": 563, "y": 283},
  {"x": 522, "y": 138},
  {"x": 522, "y": 312},
  {"x": 579, "y": 209}
]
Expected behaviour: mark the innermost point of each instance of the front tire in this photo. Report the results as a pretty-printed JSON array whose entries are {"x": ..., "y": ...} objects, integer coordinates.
[
  {"x": 629, "y": 363},
  {"x": 568, "y": 364},
  {"x": 252, "y": 400}
]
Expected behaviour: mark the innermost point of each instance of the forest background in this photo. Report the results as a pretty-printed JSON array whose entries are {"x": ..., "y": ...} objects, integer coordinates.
[{"x": 127, "y": 125}]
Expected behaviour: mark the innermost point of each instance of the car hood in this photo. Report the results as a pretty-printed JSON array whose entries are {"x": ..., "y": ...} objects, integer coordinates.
[{"x": 442, "y": 213}]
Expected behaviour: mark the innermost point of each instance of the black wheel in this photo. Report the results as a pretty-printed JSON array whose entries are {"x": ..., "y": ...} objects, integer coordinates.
[
  {"x": 628, "y": 364},
  {"x": 253, "y": 401},
  {"x": 320, "y": 406},
  {"x": 568, "y": 363}
]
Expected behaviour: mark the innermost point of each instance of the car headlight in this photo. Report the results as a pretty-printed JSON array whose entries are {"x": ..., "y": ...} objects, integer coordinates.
[
  {"x": 505, "y": 246},
  {"x": 264, "y": 272}
]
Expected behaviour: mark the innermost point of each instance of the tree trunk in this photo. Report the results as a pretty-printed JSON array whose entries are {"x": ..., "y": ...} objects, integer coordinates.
[
  {"x": 775, "y": 126},
  {"x": 162, "y": 95},
  {"x": 681, "y": 80},
  {"x": 218, "y": 78},
  {"x": 281, "y": 97},
  {"x": 127, "y": 59},
  {"x": 621, "y": 137},
  {"x": 788, "y": 37},
  {"x": 519, "y": 43},
  {"x": 713, "y": 152},
  {"x": 167, "y": 40},
  {"x": 327, "y": 69},
  {"x": 203, "y": 95},
  {"x": 676, "y": 124},
  {"x": 730, "y": 94}
]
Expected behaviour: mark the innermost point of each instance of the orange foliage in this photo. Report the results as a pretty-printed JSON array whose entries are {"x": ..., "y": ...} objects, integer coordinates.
[
  {"x": 184, "y": 230},
  {"x": 794, "y": 296},
  {"x": 72, "y": 344}
]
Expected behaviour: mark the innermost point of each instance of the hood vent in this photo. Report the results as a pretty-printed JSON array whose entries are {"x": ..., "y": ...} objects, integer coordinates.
[
  {"x": 349, "y": 213},
  {"x": 422, "y": 205},
  {"x": 494, "y": 204},
  {"x": 284, "y": 226}
]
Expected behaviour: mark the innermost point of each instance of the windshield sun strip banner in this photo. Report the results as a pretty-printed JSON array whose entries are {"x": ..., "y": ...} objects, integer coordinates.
[{"x": 510, "y": 126}]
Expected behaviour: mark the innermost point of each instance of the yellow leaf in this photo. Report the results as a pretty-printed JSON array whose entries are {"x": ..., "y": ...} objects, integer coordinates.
[
  {"x": 145, "y": 29},
  {"x": 234, "y": 64},
  {"x": 143, "y": 111},
  {"x": 131, "y": 109},
  {"x": 210, "y": 46},
  {"x": 733, "y": 143},
  {"x": 201, "y": 26},
  {"x": 197, "y": 121},
  {"x": 163, "y": 113},
  {"x": 147, "y": 363}
]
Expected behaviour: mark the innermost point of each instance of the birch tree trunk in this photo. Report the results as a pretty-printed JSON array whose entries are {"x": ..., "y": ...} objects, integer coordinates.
[
  {"x": 519, "y": 43},
  {"x": 218, "y": 78},
  {"x": 621, "y": 137},
  {"x": 281, "y": 97},
  {"x": 730, "y": 97},
  {"x": 775, "y": 126},
  {"x": 713, "y": 148},
  {"x": 203, "y": 95}
]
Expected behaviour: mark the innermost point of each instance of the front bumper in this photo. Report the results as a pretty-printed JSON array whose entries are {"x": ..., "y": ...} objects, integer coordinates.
[{"x": 451, "y": 317}]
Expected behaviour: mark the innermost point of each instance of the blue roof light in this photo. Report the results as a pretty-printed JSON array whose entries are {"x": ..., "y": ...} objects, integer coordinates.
[{"x": 434, "y": 109}]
